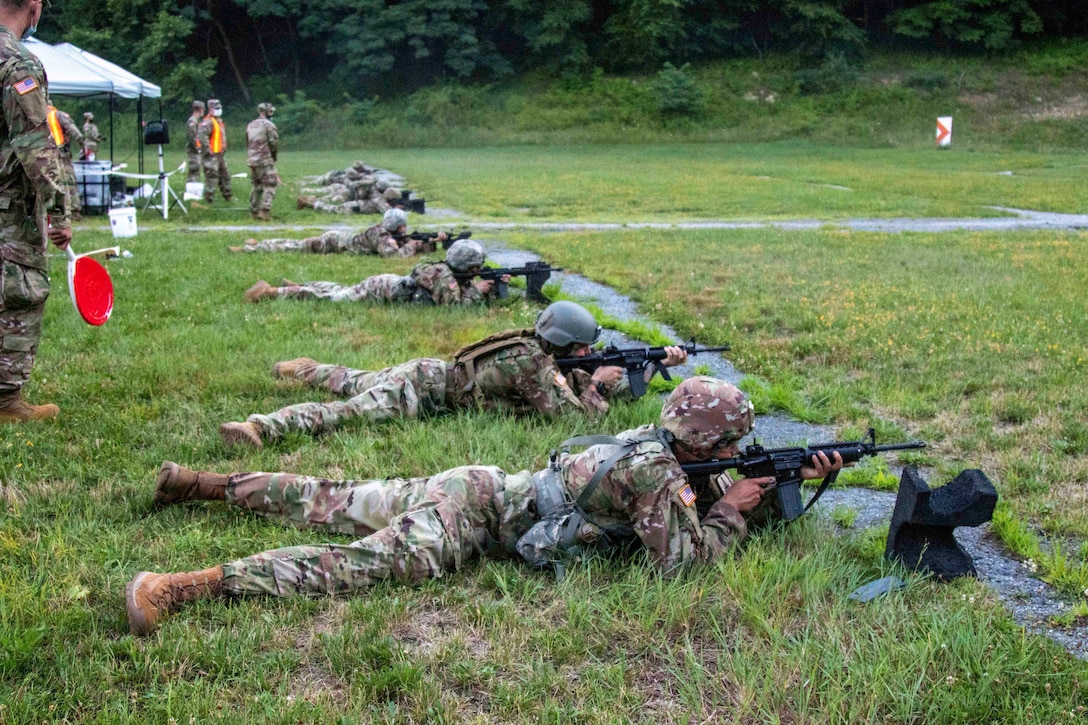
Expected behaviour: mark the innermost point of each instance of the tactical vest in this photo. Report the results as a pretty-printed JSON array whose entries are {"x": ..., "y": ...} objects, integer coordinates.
[
  {"x": 464, "y": 360},
  {"x": 565, "y": 530}
]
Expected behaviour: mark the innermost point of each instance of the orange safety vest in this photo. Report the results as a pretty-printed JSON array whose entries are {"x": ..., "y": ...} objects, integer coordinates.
[
  {"x": 215, "y": 143},
  {"x": 54, "y": 127}
]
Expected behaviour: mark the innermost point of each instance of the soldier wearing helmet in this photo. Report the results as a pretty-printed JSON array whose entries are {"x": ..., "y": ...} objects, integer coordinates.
[
  {"x": 387, "y": 238},
  {"x": 262, "y": 152},
  {"x": 630, "y": 487},
  {"x": 512, "y": 371},
  {"x": 192, "y": 143},
  {"x": 428, "y": 283},
  {"x": 212, "y": 134}
]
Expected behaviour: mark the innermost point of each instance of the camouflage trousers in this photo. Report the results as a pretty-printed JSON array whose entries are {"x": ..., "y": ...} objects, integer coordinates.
[
  {"x": 192, "y": 167},
  {"x": 264, "y": 180},
  {"x": 23, "y": 291},
  {"x": 331, "y": 242},
  {"x": 365, "y": 206},
  {"x": 409, "y": 390},
  {"x": 216, "y": 174},
  {"x": 379, "y": 288},
  {"x": 413, "y": 529}
]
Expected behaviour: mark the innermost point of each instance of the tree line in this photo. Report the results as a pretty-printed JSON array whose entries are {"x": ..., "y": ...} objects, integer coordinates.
[{"x": 257, "y": 49}]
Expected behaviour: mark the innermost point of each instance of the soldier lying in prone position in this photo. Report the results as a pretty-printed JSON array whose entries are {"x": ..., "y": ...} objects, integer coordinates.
[
  {"x": 432, "y": 283},
  {"x": 630, "y": 487},
  {"x": 512, "y": 371}
]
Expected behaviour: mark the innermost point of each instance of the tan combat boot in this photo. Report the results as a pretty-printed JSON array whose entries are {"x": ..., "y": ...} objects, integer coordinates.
[
  {"x": 245, "y": 434},
  {"x": 178, "y": 483},
  {"x": 264, "y": 216},
  {"x": 306, "y": 202},
  {"x": 261, "y": 291},
  {"x": 296, "y": 368},
  {"x": 13, "y": 409},
  {"x": 150, "y": 596},
  {"x": 289, "y": 283}
]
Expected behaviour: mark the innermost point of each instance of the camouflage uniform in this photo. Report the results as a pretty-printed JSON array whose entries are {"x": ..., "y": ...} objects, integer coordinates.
[
  {"x": 192, "y": 150},
  {"x": 375, "y": 205},
  {"x": 262, "y": 144},
  {"x": 415, "y": 529},
  {"x": 430, "y": 282},
  {"x": 91, "y": 139},
  {"x": 216, "y": 173},
  {"x": 373, "y": 240},
  {"x": 33, "y": 184},
  {"x": 517, "y": 376}
]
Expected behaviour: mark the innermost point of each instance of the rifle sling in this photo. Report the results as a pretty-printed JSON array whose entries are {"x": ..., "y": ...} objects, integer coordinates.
[{"x": 824, "y": 485}]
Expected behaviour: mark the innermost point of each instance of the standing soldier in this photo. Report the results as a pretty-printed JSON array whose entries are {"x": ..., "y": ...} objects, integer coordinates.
[
  {"x": 192, "y": 143},
  {"x": 91, "y": 137},
  {"x": 64, "y": 132},
  {"x": 213, "y": 148},
  {"x": 33, "y": 206},
  {"x": 262, "y": 147}
]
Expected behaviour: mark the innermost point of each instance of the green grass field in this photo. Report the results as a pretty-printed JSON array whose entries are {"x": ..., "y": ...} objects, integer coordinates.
[{"x": 974, "y": 342}]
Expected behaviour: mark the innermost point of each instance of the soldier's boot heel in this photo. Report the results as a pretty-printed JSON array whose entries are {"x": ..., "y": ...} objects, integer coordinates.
[
  {"x": 175, "y": 484},
  {"x": 150, "y": 596},
  {"x": 297, "y": 368},
  {"x": 241, "y": 434}
]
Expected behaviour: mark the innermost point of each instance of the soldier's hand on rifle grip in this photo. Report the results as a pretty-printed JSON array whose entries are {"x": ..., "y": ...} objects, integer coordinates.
[
  {"x": 746, "y": 493},
  {"x": 821, "y": 466},
  {"x": 609, "y": 375},
  {"x": 484, "y": 286}
]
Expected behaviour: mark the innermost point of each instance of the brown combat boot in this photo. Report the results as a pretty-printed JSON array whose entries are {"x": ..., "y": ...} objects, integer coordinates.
[
  {"x": 296, "y": 368},
  {"x": 177, "y": 483},
  {"x": 244, "y": 434},
  {"x": 150, "y": 596},
  {"x": 260, "y": 291},
  {"x": 289, "y": 283},
  {"x": 306, "y": 202},
  {"x": 13, "y": 409},
  {"x": 264, "y": 216}
]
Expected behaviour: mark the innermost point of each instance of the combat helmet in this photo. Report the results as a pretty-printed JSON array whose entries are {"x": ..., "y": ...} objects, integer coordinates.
[
  {"x": 465, "y": 254},
  {"x": 266, "y": 108},
  {"x": 394, "y": 219},
  {"x": 391, "y": 194},
  {"x": 566, "y": 323},
  {"x": 703, "y": 411}
]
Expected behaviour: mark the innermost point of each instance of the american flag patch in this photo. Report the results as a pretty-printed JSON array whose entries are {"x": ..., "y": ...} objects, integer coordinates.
[
  {"x": 687, "y": 496},
  {"x": 25, "y": 86}
]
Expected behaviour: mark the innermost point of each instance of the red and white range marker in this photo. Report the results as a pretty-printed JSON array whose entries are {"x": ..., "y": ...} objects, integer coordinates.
[{"x": 944, "y": 131}]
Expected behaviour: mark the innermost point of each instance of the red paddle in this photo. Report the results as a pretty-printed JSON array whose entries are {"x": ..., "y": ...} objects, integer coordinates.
[{"x": 91, "y": 288}]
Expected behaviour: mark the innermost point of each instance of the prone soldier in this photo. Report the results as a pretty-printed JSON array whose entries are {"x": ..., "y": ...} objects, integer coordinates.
[
  {"x": 387, "y": 238},
  {"x": 513, "y": 371},
  {"x": 628, "y": 488},
  {"x": 431, "y": 283}
]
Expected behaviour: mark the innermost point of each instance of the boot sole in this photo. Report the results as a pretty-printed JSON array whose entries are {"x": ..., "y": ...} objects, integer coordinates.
[
  {"x": 137, "y": 622},
  {"x": 233, "y": 436},
  {"x": 167, "y": 471}
]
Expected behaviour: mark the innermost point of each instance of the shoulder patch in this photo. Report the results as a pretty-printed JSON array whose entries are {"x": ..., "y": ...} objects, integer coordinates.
[
  {"x": 687, "y": 496},
  {"x": 25, "y": 86}
]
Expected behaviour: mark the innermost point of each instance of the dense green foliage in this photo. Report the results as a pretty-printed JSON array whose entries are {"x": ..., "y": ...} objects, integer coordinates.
[{"x": 242, "y": 49}]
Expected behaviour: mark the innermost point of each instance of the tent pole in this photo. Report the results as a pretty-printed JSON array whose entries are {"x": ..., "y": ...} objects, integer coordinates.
[
  {"x": 111, "y": 129},
  {"x": 140, "y": 131}
]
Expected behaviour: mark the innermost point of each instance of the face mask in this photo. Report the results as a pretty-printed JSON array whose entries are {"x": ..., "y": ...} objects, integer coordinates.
[
  {"x": 29, "y": 31},
  {"x": 217, "y": 112}
]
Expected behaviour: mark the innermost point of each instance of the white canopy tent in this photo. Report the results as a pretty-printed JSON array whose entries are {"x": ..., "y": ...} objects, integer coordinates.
[{"x": 79, "y": 74}]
